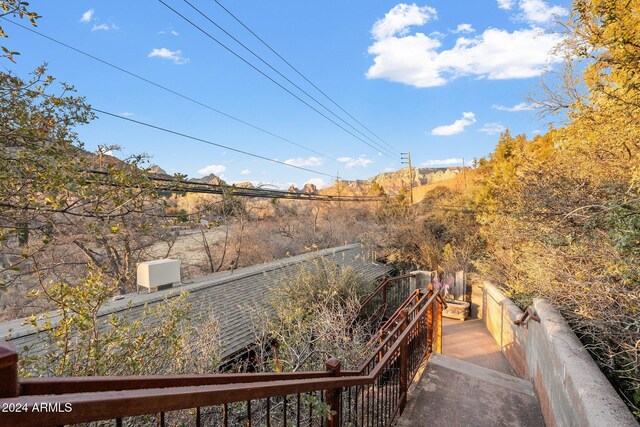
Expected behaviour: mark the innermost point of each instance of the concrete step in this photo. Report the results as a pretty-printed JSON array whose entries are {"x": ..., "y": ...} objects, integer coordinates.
[
  {"x": 453, "y": 393},
  {"x": 484, "y": 374}
]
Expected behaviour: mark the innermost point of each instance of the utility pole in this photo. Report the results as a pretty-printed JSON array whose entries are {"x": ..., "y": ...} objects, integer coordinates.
[
  {"x": 464, "y": 171},
  {"x": 338, "y": 188},
  {"x": 405, "y": 158}
]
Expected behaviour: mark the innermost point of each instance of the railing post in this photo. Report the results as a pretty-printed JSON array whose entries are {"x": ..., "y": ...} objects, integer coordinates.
[
  {"x": 333, "y": 396},
  {"x": 404, "y": 360},
  {"x": 430, "y": 316},
  {"x": 384, "y": 296},
  {"x": 9, "y": 386},
  {"x": 438, "y": 328}
]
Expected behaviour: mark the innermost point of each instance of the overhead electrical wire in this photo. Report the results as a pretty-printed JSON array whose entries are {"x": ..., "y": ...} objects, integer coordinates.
[
  {"x": 234, "y": 53},
  {"x": 165, "y": 88},
  {"x": 226, "y": 147},
  {"x": 301, "y": 74},
  {"x": 160, "y": 86},
  {"x": 252, "y": 52},
  {"x": 182, "y": 186}
]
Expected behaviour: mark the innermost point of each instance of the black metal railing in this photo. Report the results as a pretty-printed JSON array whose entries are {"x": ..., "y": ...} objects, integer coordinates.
[{"x": 373, "y": 395}]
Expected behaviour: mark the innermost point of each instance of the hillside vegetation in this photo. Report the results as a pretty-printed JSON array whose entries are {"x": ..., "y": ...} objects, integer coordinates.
[{"x": 558, "y": 215}]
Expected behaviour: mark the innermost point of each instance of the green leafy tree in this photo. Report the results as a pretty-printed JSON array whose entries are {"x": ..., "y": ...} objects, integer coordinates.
[{"x": 57, "y": 215}]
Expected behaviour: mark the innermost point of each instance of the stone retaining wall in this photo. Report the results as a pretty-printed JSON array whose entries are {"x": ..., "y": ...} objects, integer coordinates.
[{"x": 571, "y": 389}]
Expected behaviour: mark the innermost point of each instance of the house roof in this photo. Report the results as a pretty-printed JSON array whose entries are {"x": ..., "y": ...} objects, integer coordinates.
[{"x": 225, "y": 295}]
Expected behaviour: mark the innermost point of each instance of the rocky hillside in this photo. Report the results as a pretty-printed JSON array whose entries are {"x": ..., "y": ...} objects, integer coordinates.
[{"x": 392, "y": 182}]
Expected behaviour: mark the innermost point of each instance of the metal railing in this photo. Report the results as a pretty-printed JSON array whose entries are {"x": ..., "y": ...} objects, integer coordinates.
[
  {"x": 385, "y": 299},
  {"x": 373, "y": 395}
]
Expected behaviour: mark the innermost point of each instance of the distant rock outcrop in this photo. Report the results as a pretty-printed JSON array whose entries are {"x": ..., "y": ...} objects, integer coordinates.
[
  {"x": 157, "y": 170},
  {"x": 246, "y": 184},
  {"x": 392, "y": 182},
  {"x": 421, "y": 176},
  {"x": 293, "y": 189},
  {"x": 209, "y": 179},
  {"x": 310, "y": 188}
]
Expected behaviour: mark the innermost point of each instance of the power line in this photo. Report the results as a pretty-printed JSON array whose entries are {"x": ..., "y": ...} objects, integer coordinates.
[
  {"x": 279, "y": 73},
  {"x": 270, "y": 78},
  {"x": 301, "y": 74},
  {"x": 100, "y": 111},
  {"x": 160, "y": 86},
  {"x": 182, "y": 186},
  {"x": 97, "y": 110}
]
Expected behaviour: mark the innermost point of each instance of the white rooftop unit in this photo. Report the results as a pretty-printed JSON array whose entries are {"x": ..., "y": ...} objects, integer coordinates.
[{"x": 158, "y": 274}]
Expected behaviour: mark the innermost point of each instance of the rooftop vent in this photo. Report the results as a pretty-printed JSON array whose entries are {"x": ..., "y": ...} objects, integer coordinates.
[{"x": 159, "y": 274}]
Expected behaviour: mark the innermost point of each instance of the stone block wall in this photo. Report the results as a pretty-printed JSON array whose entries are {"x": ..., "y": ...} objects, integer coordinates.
[{"x": 571, "y": 389}]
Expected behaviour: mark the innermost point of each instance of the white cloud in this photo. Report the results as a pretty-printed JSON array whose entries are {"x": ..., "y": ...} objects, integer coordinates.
[
  {"x": 464, "y": 28},
  {"x": 125, "y": 114},
  {"x": 175, "y": 56},
  {"x": 311, "y": 161},
  {"x": 245, "y": 172},
  {"x": 172, "y": 32},
  {"x": 443, "y": 162},
  {"x": 539, "y": 12},
  {"x": 87, "y": 16},
  {"x": 350, "y": 162},
  {"x": 318, "y": 182},
  {"x": 212, "y": 169},
  {"x": 104, "y": 27},
  {"x": 492, "y": 128},
  {"x": 523, "y": 106},
  {"x": 398, "y": 20},
  {"x": 456, "y": 127},
  {"x": 418, "y": 60},
  {"x": 411, "y": 60},
  {"x": 506, "y": 4}
]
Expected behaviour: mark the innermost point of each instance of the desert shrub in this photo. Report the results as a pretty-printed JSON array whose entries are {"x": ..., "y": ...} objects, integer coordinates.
[
  {"x": 166, "y": 339},
  {"x": 312, "y": 316}
]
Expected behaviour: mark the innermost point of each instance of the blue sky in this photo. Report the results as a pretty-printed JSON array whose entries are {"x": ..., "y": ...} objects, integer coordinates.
[{"x": 439, "y": 78}]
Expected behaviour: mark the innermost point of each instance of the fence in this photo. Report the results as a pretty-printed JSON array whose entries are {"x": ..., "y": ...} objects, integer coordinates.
[
  {"x": 385, "y": 300},
  {"x": 373, "y": 395}
]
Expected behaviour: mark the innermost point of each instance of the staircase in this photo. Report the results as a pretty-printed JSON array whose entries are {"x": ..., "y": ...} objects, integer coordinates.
[{"x": 470, "y": 384}]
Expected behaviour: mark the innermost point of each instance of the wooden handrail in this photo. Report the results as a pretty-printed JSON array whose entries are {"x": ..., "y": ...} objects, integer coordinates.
[
  {"x": 117, "y": 404},
  {"x": 383, "y": 344},
  {"x": 405, "y": 276},
  {"x": 62, "y": 385},
  {"x": 8, "y": 370},
  {"x": 100, "y": 398},
  {"x": 92, "y": 384}
]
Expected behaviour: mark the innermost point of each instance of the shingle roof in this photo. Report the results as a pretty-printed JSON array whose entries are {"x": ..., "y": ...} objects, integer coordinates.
[{"x": 223, "y": 294}]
